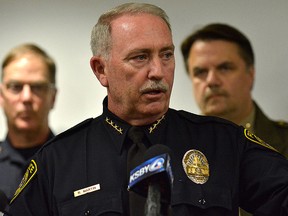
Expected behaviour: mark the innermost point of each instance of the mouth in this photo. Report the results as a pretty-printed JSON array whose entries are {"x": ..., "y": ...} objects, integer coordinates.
[
  {"x": 25, "y": 114},
  {"x": 153, "y": 92},
  {"x": 214, "y": 97}
]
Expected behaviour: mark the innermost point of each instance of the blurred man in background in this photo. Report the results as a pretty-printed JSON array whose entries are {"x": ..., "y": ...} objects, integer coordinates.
[{"x": 27, "y": 94}]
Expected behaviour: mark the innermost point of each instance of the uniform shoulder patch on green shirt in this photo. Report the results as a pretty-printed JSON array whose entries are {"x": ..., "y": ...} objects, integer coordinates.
[
  {"x": 252, "y": 137},
  {"x": 29, "y": 174}
]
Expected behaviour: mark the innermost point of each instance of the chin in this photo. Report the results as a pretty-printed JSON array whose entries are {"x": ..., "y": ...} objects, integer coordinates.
[
  {"x": 25, "y": 126},
  {"x": 157, "y": 109},
  {"x": 213, "y": 112}
]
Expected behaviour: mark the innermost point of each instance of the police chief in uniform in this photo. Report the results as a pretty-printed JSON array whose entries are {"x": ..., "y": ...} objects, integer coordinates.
[{"x": 217, "y": 165}]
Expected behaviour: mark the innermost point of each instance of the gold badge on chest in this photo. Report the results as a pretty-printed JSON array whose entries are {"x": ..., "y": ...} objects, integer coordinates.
[{"x": 196, "y": 166}]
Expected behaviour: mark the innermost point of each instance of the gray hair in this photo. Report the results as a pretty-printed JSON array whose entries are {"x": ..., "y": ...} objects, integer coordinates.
[{"x": 101, "y": 32}]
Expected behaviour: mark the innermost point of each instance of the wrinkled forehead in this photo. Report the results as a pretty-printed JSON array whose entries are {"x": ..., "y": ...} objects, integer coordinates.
[
  {"x": 137, "y": 19},
  {"x": 140, "y": 27}
]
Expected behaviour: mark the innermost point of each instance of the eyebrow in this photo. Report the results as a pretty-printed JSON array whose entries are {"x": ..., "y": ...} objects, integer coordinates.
[
  {"x": 226, "y": 63},
  {"x": 30, "y": 82},
  {"x": 171, "y": 47}
]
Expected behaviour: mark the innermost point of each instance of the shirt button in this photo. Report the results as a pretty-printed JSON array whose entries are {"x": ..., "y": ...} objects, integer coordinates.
[
  {"x": 202, "y": 201},
  {"x": 87, "y": 213}
]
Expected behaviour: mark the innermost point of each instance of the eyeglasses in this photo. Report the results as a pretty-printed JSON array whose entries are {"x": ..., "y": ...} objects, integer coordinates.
[{"x": 36, "y": 88}]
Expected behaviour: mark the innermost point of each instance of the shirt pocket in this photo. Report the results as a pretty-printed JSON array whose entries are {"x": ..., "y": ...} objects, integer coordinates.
[
  {"x": 187, "y": 194},
  {"x": 98, "y": 203}
]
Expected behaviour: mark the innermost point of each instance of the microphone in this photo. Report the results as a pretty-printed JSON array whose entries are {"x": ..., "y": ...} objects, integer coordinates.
[
  {"x": 153, "y": 179},
  {"x": 3, "y": 203}
]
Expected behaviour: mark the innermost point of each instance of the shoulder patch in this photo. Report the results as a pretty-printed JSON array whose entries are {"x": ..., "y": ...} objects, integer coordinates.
[
  {"x": 252, "y": 137},
  {"x": 29, "y": 174}
]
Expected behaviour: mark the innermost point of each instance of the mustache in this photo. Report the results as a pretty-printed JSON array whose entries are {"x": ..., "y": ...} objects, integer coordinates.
[
  {"x": 26, "y": 113},
  {"x": 154, "y": 86},
  {"x": 211, "y": 92}
]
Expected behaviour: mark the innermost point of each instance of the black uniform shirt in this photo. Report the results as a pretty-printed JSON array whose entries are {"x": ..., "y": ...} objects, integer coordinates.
[{"x": 83, "y": 170}]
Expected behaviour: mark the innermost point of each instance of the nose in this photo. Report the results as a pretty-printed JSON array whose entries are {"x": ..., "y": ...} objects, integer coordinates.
[
  {"x": 156, "y": 69},
  {"x": 213, "y": 78},
  {"x": 26, "y": 93}
]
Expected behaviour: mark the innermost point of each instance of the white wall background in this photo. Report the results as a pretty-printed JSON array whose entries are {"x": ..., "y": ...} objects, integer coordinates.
[{"x": 63, "y": 29}]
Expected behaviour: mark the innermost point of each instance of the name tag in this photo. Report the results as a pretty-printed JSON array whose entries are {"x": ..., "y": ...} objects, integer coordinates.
[{"x": 87, "y": 190}]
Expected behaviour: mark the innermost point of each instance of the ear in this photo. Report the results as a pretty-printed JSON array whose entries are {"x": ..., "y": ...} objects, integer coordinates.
[{"x": 98, "y": 66}]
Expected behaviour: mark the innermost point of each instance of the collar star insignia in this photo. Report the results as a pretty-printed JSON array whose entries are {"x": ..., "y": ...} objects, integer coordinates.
[
  {"x": 114, "y": 125},
  {"x": 120, "y": 130},
  {"x": 153, "y": 127}
]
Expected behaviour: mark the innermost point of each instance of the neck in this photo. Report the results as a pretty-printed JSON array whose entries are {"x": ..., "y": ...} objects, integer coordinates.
[
  {"x": 144, "y": 121},
  {"x": 241, "y": 115},
  {"x": 141, "y": 119},
  {"x": 145, "y": 117},
  {"x": 28, "y": 139}
]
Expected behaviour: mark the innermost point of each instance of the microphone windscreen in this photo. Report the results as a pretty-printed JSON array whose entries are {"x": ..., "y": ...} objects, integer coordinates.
[{"x": 155, "y": 170}]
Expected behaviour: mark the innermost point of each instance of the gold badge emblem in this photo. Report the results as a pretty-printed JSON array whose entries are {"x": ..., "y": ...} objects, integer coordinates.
[{"x": 196, "y": 166}]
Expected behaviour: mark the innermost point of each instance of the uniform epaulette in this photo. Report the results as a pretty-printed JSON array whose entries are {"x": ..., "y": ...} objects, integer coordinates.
[
  {"x": 200, "y": 118},
  {"x": 281, "y": 123},
  {"x": 71, "y": 130}
]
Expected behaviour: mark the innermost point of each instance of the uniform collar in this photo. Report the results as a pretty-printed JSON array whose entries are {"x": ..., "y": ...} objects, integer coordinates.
[
  {"x": 248, "y": 122},
  {"x": 7, "y": 151},
  {"x": 118, "y": 128}
]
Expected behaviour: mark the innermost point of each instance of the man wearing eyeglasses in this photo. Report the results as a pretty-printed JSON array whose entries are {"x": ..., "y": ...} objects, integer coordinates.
[{"x": 27, "y": 94}]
